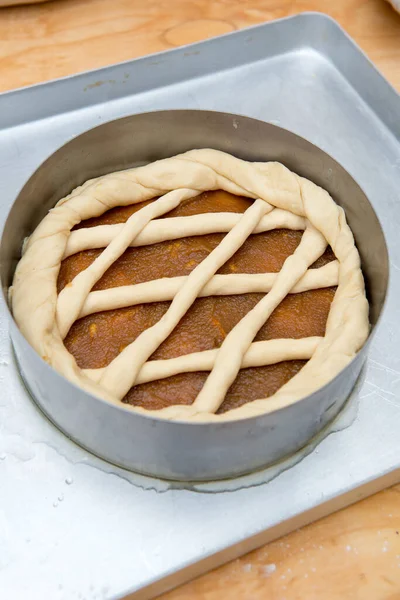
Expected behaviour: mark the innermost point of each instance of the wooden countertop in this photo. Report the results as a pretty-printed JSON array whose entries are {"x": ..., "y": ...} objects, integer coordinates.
[{"x": 354, "y": 553}]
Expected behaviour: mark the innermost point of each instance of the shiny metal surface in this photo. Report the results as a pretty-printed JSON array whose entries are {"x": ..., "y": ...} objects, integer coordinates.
[
  {"x": 186, "y": 451},
  {"x": 97, "y": 530}
]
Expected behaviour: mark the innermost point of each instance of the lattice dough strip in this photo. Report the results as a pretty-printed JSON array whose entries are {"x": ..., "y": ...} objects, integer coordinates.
[
  {"x": 72, "y": 297},
  {"x": 160, "y": 290},
  {"x": 177, "y": 227},
  {"x": 238, "y": 340},
  {"x": 259, "y": 354},
  {"x": 120, "y": 375}
]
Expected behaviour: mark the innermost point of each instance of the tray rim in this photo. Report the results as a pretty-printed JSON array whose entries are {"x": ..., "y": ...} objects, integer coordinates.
[
  {"x": 173, "y": 579},
  {"x": 192, "y": 46},
  {"x": 191, "y": 50}
]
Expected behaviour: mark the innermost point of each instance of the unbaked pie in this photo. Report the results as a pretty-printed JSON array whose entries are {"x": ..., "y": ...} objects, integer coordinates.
[{"x": 200, "y": 287}]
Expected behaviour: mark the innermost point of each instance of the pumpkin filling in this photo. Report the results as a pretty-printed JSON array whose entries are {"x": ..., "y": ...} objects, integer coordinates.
[{"x": 95, "y": 340}]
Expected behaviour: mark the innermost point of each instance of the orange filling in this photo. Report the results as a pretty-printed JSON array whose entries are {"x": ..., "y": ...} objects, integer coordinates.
[{"x": 96, "y": 339}]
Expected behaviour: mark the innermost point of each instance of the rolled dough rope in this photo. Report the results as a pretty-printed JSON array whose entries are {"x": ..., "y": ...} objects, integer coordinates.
[
  {"x": 72, "y": 297},
  {"x": 160, "y": 290},
  {"x": 120, "y": 375},
  {"x": 259, "y": 354},
  {"x": 239, "y": 339},
  {"x": 177, "y": 227}
]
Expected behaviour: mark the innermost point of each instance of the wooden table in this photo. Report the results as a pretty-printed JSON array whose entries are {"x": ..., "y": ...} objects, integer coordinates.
[{"x": 354, "y": 553}]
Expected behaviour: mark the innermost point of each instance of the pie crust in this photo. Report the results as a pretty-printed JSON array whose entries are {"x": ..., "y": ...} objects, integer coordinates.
[{"x": 282, "y": 199}]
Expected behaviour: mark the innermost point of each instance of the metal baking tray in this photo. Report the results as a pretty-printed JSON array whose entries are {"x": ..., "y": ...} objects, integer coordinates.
[{"x": 79, "y": 527}]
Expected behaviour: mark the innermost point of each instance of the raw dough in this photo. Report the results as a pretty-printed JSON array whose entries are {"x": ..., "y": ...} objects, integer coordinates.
[{"x": 45, "y": 319}]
